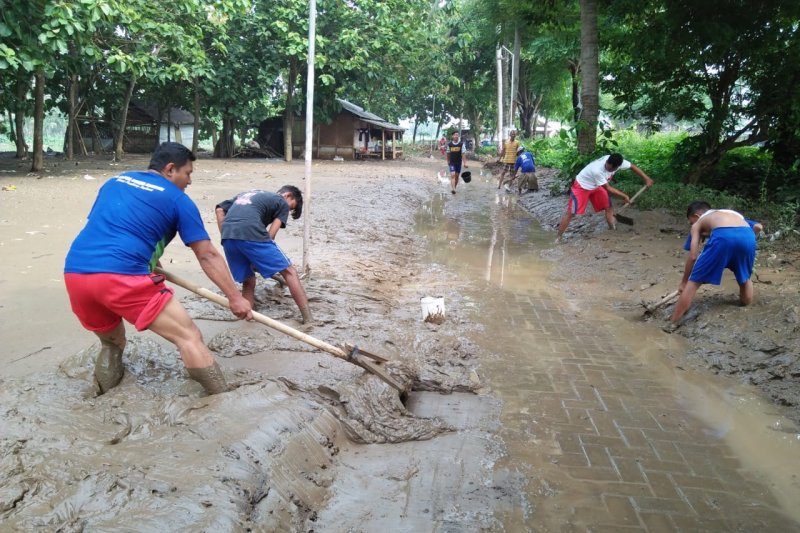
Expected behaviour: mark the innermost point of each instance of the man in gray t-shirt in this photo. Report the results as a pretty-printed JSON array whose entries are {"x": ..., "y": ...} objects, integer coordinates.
[{"x": 249, "y": 223}]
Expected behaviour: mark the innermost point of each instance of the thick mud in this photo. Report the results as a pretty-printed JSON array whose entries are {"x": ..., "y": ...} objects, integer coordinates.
[{"x": 156, "y": 451}]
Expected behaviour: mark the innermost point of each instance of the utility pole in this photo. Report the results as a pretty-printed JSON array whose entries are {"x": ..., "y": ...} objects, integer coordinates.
[
  {"x": 312, "y": 30},
  {"x": 499, "y": 56}
]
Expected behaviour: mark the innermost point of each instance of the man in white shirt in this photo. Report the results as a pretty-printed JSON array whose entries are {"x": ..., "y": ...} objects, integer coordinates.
[{"x": 592, "y": 185}]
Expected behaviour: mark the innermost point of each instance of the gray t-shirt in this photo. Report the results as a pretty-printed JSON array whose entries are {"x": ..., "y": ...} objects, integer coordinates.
[{"x": 249, "y": 213}]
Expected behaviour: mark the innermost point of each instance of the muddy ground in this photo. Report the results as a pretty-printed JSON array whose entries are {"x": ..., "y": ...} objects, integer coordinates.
[
  {"x": 265, "y": 456},
  {"x": 642, "y": 263}
]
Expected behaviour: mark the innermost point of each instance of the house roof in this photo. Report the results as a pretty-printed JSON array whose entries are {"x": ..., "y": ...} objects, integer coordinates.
[
  {"x": 368, "y": 117},
  {"x": 176, "y": 115}
]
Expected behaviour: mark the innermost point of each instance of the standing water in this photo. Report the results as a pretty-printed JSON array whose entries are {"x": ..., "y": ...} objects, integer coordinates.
[{"x": 601, "y": 431}]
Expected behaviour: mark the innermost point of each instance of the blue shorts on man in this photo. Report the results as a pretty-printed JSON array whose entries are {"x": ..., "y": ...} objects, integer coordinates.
[{"x": 732, "y": 248}]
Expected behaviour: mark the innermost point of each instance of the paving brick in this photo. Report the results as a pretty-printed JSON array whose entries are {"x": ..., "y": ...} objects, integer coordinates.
[
  {"x": 598, "y": 456},
  {"x": 621, "y": 488},
  {"x": 663, "y": 466},
  {"x": 605, "y": 423},
  {"x": 697, "y": 482},
  {"x": 569, "y": 459},
  {"x": 665, "y": 505},
  {"x": 612, "y": 443},
  {"x": 593, "y": 473},
  {"x": 621, "y": 510},
  {"x": 662, "y": 485},
  {"x": 614, "y": 528},
  {"x": 629, "y": 470},
  {"x": 658, "y": 523},
  {"x": 634, "y": 437},
  {"x": 667, "y": 451}
]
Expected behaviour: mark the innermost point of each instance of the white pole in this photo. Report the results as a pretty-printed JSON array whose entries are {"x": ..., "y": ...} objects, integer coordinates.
[
  {"x": 312, "y": 31},
  {"x": 499, "y": 99}
]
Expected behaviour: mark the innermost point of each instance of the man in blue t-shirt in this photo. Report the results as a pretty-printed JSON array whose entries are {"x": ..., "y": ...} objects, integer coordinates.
[
  {"x": 108, "y": 270},
  {"x": 249, "y": 223},
  {"x": 526, "y": 164}
]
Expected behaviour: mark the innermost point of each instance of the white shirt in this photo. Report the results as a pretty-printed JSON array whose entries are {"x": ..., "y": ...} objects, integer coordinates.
[{"x": 595, "y": 175}]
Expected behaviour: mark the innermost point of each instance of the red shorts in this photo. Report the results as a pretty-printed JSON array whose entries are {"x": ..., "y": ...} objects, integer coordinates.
[
  {"x": 101, "y": 300},
  {"x": 579, "y": 198}
]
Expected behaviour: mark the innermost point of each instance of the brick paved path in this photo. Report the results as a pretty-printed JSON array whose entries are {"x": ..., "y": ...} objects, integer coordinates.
[{"x": 604, "y": 444}]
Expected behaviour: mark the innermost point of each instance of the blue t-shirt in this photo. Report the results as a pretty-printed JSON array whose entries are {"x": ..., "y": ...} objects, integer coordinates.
[
  {"x": 526, "y": 162},
  {"x": 688, "y": 244},
  {"x": 134, "y": 217}
]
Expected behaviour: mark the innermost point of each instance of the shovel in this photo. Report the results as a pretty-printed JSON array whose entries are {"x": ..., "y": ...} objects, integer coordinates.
[
  {"x": 624, "y": 219},
  {"x": 353, "y": 354},
  {"x": 649, "y": 309}
]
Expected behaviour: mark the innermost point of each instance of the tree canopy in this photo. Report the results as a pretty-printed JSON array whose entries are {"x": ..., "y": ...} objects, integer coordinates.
[{"x": 728, "y": 66}]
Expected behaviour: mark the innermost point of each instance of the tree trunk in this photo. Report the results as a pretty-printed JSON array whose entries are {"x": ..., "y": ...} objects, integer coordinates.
[
  {"x": 512, "y": 112},
  {"x": 576, "y": 95},
  {"x": 224, "y": 146},
  {"x": 702, "y": 167},
  {"x": 119, "y": 136},
  {"x": 414, "y": 134},
  {"x": 288, "y": 115},
  {"x": 590, "y": 97},
  {"x": 71, "y": 125},
  {"x": 196, "y": 110},
  {"x": 38, "y": 121},
  {"x": 19, "y": 117}
]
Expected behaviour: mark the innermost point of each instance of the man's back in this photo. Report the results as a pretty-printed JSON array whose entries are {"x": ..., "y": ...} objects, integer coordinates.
[{"x": 720, "y": 218}]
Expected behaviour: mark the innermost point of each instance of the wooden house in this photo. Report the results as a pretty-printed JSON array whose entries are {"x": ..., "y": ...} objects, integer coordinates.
[{"x": 354, "y": 133}]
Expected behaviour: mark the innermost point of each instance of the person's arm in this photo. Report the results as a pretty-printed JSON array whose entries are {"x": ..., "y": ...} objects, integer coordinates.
[
  {"x": 220, "y": 217},
  {"x": 215, "y": 267},
  {"x": 274, "y": 227},
  {"x": 617, "y": 192},
  {"x": 691, "y": 257},
  {"x": 465, "y": 159},
  {"x": 647, "y": 180},
  {"x": 502, "y": 152}
]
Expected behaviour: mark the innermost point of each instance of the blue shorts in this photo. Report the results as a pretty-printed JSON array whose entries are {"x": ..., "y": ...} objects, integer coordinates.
[
  {"x": 732, "y": 248},
  {"x": 245, "y": 258},
  {"x": 455, "y": 168}
]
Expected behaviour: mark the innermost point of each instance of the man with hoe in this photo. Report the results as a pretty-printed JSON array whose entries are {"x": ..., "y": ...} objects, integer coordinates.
[
  {"x": 109, "y": 267},
  {"x": 592, "y": 184}
]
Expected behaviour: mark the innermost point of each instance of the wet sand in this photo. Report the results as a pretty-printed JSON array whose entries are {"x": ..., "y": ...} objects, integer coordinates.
[{"x": 282, "y": 451}]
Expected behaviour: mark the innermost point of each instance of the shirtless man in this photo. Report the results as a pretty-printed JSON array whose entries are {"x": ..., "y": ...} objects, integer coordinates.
[{"x": 731, "y": 244}]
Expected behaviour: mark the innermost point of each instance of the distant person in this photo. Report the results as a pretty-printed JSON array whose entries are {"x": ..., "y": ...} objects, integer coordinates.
[
  {"x": 109, "y": 267},
  {"x": 455, "y": 156},
  {"x": 442, "y": 144},
  {"x": 249, "y": 223},
  {"x": 508, "y": 156},
  {"x": 592, "y": 185},
  {"x": 527, "y": 165},
  {"x": 731, "y": 244}
]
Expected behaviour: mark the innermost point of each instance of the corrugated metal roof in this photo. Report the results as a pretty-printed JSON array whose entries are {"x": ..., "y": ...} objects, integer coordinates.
[{"x": 368, "y": 117}]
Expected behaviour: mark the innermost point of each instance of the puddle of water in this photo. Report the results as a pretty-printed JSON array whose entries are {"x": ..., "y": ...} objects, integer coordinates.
[{"x": 494, "y": 244}]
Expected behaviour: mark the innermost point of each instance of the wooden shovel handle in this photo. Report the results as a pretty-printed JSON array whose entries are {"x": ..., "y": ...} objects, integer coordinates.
[
  {"x": 634, "y": 197},
  {"x": 663, "y": 301},
  {"x": 258, "y": 317}
]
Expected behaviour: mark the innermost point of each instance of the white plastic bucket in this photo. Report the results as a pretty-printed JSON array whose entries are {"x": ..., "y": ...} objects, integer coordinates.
[{"x": 432, "y": 305}]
